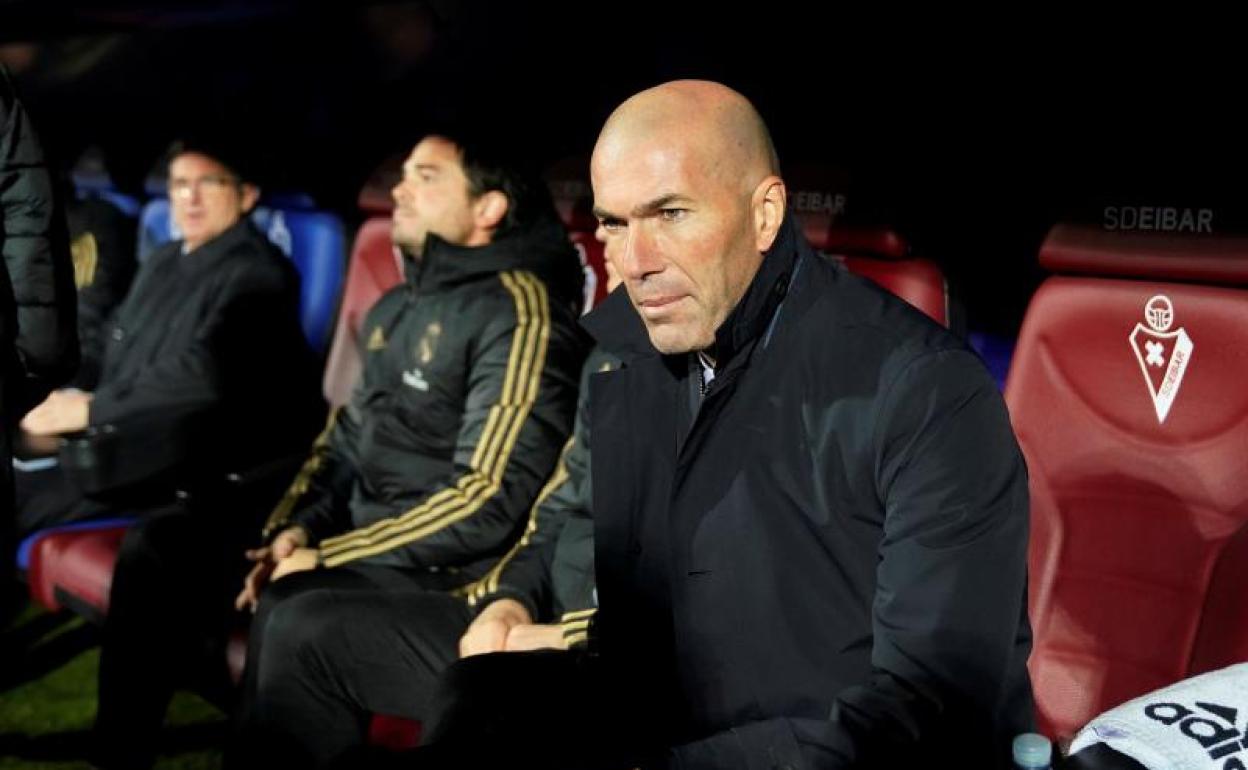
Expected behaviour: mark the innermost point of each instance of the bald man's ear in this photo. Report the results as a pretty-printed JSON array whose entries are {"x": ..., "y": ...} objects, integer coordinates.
[
  {"x": 769, "y": 203},
  {"x": 490, "y": 208}
]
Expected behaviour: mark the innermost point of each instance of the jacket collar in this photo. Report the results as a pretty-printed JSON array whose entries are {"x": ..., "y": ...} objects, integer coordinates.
[
  {"x": 617, "y": 328},
  {"x": 753, "y": 314},
  {"x": 210, "y": 253},
  {"x": 543, "y": 249}
]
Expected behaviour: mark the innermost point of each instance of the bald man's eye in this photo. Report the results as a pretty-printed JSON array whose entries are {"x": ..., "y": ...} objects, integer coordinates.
[
  {"x": 611, "y": 225},
  {"x": 673, "y": 215}
]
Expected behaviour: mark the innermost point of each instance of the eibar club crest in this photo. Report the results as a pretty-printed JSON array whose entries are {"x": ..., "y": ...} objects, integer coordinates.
[{"x": 1163, "y": 354}]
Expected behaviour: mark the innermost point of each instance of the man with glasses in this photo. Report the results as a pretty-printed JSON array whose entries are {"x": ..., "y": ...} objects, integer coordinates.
[
  {"x": 205, "y": 347},
  {"x": 205, "y": 373}
]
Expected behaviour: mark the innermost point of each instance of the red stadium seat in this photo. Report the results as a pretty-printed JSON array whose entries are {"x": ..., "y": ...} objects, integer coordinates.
[
  {"x": 396, "y": 733},
  {"x": 882, "y": 255},
  {"x": 1127, "y": 394},
  {"x": 75, "y": 568},
  {"x": 918, "y": 281},
  {"x": 574, "y": 199},
  {"x": 375, "y": 267},
  {"x": 820, "y": 200},
  {"x": 374, "y": 198}
]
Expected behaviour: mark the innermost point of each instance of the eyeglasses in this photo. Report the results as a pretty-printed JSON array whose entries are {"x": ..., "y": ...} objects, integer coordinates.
[{"x": 207, "y": 185}]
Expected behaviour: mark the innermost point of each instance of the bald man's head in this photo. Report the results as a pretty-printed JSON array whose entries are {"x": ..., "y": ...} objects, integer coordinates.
[
  {"x": 687, "y": 187},
  {"x": 712, "y": 120}
]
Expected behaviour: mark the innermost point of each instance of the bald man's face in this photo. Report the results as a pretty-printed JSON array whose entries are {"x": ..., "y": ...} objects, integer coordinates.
[{"x": 678, "y": 231}]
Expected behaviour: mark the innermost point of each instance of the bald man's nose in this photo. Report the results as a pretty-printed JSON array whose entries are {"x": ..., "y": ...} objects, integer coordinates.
[{"x": 637, "y": 256}]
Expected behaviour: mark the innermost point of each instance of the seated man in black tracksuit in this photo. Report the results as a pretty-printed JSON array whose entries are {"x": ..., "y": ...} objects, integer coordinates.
[
  {"x": 422, "y": 482},
  {"x": 320, "y": 687}
]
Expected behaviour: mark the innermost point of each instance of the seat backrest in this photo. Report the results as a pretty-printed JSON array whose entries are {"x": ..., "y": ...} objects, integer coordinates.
[
  {"x": 818, "y": 200},
  {"x": 918, "y": 281},
  {"x": 882, "y": 255},
  {"x": 593, "y": 263},
  {"x": 90, "y": 179},
  {"x": 314, "y": 240},
  {"x": 375, "y": 198},
  {"x": 126, "y": 204},
  {"x": 568, "y": 181},
  {"x": 823, "y": 203},
  {"x": 1127, "y": 394},
  {"x": 375, "y": 267}
]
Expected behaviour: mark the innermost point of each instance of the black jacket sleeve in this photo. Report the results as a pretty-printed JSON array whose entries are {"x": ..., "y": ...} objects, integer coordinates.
[
  {"x": 317, "y": 499},
  {"x": 558, "y": 519},
  {"x": 517, "y": 414},
  {"x": 951, "y": 585},
  {"x": 524, "y": 573},
  {"x": 37, "y": 284}
]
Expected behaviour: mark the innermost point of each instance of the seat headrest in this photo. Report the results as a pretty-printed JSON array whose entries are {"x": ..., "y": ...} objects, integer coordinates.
[
  {"x": 817, "y": 199},
  {"x": 374, "y": 197},
  {"x": 876, "y": 242},
  {"x": 1177, "y": 254},
  {"x": 568, "y": 181}
]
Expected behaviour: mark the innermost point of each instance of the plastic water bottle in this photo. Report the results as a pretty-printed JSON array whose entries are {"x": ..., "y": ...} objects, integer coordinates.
[{"x": 1032, "y": 751}]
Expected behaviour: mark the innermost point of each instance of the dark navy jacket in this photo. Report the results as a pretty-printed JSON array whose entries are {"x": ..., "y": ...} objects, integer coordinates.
[{"x": 821, "y": 563}]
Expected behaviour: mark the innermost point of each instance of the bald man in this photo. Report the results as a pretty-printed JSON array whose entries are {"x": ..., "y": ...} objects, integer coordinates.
[{"x": 810, "y": 509}]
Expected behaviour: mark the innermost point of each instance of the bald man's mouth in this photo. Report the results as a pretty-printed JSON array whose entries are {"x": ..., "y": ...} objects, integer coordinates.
[{"x": 656, "y": 307}]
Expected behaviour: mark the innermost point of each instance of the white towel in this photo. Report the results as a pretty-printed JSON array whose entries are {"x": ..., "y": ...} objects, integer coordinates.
[{"x": 1197, "y": 724}]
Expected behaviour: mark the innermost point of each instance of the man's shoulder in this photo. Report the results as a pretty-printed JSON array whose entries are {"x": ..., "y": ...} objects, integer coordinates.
[
  {"x": 468, "y": 309},
  {"x": 252, "y": 258},
  {"x": 515, "y": 296},
  {"x": 247, "y": 241},
  {"x": 850, "y": 318},
  {"x": 859, "y": 314},
  {"x": 390, "y": 300}
]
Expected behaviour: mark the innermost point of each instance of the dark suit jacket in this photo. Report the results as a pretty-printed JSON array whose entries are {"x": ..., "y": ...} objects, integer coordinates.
[{"x": 821, "y": 563}]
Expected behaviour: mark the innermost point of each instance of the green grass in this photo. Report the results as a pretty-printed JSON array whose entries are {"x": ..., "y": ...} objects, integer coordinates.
[{"x": 48, "y": 667}]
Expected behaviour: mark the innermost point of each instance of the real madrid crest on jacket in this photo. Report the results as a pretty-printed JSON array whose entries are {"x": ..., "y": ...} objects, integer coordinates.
[{"x": 467, "y": 394}]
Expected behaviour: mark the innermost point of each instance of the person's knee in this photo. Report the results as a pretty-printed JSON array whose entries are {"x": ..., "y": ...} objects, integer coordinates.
[
  {"x": 466, "y": 699},
  {"x": 470, "y": 675},
  {"x": 295, "y": 584},
  {"x": 299, "y": 623}
]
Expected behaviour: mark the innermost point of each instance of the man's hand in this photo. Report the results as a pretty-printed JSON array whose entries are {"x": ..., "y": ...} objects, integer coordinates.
[
  {"x": 537, "y": 636},
  {"x": 488, "y": 633},
  {"x": 283, "y": 546},
  {"x": 302, "y": 560},
  {"x": 63, "y": 411}
]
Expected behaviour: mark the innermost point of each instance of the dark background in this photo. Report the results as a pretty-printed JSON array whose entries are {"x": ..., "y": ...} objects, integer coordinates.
[{"x": 971, "y": 131}]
